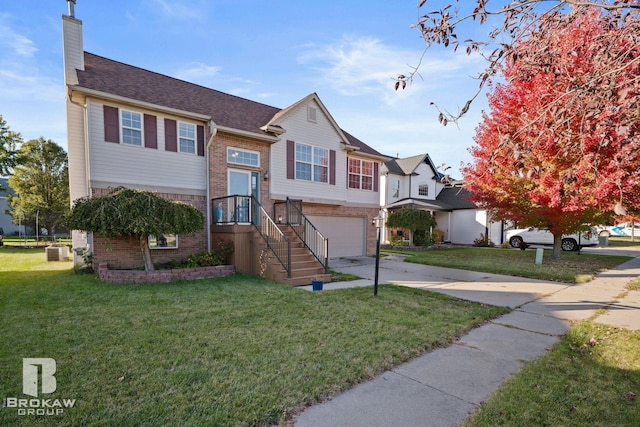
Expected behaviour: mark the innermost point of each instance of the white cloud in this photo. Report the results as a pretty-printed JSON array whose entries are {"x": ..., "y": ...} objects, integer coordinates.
[
  {"x": 180, "y": 10},
  {"x": 356, "y": 66},
  {"x": 16, "y": 43}
]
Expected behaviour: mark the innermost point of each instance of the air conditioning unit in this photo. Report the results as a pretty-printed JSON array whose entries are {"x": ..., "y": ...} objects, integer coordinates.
[{"x": 57, "y": 253}]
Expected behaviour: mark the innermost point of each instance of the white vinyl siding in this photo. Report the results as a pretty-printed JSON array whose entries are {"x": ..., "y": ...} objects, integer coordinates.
[
  {"x": 123, "y": 164},
  {"x": 321, "y": 134}
]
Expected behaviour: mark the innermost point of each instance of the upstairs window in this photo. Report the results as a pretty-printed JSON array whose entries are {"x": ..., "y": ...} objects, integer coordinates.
[
  {"x": 312, "y": 163},
  {"x": 396, "y": 189},
  {"x": 360, "y": 174},
  {"x": 187, "y": 137},
  {"x": 243, "y": 157},
  {"x": 131, "y": 128},
  {"x": 423, "y": 190}
]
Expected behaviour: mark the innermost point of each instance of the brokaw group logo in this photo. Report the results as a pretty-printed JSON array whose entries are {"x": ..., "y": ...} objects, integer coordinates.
[{"x": 38, "y": 378}]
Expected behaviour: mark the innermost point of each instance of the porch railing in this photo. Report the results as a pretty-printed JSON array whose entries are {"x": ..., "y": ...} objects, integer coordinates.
[
  {"x": 290, "y": 213},
  {"x": 246, "y": 209}
]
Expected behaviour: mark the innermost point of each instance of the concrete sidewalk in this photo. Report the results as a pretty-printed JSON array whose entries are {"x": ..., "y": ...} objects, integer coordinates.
[{"x": 441, "y": 388}]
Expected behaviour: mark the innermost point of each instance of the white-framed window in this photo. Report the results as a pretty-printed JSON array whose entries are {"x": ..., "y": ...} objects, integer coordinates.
[
  {"x": 312, "y": 163},
  {"x": 243, "y": 157},
  {"x": 131, "y": 127},
  {"x": 163, "y": 241},
  {"x": 360, "y": 174},
  {"x": 423, "y": 190},
  {"x": 396, "y": 189},
  {"x": 187, "y": 138}
]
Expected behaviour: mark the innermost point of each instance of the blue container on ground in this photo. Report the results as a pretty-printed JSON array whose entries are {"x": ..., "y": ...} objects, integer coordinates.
[{"x": 317, "y": 285}]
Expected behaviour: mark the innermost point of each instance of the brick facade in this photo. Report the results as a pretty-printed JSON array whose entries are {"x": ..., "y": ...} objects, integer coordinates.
[
  {"x": 218, "y": 166},
  {"x": 125, "y": 252}
]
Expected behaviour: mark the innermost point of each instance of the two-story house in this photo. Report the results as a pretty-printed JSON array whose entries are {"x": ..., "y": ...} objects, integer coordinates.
[
  {"x": 415, "y": 181},
  {"x": 266, "y": 177}
]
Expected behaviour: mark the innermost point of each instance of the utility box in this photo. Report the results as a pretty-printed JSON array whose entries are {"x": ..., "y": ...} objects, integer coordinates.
[
  {"x": 603, "y": 240},
  {"x": 57, "y": 253}
]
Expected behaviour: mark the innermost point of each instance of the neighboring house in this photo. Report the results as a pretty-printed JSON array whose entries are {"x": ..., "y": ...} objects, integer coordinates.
[
  {"x": 6, "y": 220},
  {"x": 234, "y": 159},
  {"x": 415, "y": 181}
]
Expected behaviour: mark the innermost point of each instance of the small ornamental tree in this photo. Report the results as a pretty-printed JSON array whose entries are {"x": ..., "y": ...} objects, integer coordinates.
[
  {"x": 560, "y": 147},
  {"x": 126, "y": 212},
  {"x": 412, "y": 219}
]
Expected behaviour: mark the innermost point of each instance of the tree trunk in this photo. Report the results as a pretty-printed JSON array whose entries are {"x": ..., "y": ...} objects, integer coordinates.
[
  {"x": 557, "y": 246},
  {"x": 146, "y": 253}
]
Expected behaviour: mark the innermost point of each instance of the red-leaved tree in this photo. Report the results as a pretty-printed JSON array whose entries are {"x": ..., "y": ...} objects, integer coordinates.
[{"x": 561, "y": 147}]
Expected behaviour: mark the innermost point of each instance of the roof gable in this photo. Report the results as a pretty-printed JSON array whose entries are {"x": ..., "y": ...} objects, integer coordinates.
[{"x": 409, "y": 165}]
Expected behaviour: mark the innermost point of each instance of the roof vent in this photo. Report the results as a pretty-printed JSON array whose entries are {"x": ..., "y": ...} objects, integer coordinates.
[{"x": 71, "y": 4}]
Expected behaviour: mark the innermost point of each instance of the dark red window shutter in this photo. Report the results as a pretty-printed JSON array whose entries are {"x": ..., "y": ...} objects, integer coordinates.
[
  {"x": 111, "y": 124},
  {"x": 291, "y": 160},
  {"x": 376, "y": 178},
  {"x": 150, "y": 131},
  {"x": 332, "y": 167},
  {"x": 170, "y": 135},
  {"x": 200, "y": 133}
]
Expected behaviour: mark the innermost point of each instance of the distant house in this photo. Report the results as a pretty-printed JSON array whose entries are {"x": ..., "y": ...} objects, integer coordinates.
[
  {"x": 415, "y": 181},
  {"x": 6, "y": 220},
  {"x": 263, "y": 176}
]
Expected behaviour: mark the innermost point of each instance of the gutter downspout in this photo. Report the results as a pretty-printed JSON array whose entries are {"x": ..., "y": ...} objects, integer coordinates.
[
  {"x": 213, "y": 130},
  {"x": 87, "y": 163}
]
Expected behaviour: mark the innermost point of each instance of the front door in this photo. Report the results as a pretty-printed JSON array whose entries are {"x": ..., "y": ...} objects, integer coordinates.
[{"x": 243, "y": 183}]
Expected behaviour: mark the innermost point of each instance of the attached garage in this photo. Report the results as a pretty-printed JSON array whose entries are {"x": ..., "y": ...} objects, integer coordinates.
[{"x": 346, "y": 234}]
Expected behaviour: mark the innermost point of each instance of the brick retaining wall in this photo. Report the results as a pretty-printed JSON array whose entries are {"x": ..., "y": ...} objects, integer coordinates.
[{"x": 163, "y": 276}]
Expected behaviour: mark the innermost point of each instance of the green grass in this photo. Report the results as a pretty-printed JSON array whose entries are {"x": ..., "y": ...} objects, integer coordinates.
[
  {"x": 624, "y": 241},
  {"x": 337, "y": 276},
  {"x": 233, "y": 351},
  {"x": 591, "y": 378},
  {"x": 571, "y": 267}
]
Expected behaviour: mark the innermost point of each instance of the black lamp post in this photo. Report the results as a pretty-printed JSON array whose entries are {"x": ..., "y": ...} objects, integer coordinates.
[{"x": 378, "y": 222}]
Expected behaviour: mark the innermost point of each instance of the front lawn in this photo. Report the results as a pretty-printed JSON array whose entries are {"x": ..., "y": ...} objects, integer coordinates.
[
  {"x": 233, "y": 351},
  {"x": 591, "y": 378},
  {"x": 572, "y": 267}
]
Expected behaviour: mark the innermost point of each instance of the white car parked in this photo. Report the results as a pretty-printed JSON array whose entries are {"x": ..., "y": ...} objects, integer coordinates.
[{"x": 542, "y": 236}]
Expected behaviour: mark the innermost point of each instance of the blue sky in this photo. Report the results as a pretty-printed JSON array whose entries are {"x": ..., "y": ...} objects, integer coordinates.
[{"x": 270, "y": 51}]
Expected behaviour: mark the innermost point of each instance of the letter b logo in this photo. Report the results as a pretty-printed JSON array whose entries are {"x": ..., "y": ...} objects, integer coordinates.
[{"x": 30, "y": 376}]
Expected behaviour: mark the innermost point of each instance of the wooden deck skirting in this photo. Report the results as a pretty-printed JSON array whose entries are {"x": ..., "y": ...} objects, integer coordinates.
[{"x": 163, "y": 276}]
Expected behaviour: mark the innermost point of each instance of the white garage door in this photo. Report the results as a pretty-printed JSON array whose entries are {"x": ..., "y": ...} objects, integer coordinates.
[{"x": 345, "y": 234}]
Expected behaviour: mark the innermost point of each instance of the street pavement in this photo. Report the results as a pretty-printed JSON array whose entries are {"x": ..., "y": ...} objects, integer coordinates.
[{"x": 443, "y": 387}]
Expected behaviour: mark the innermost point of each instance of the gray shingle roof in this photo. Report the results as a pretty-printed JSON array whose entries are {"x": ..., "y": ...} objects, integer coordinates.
[{"x": 456, "y": 198}]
